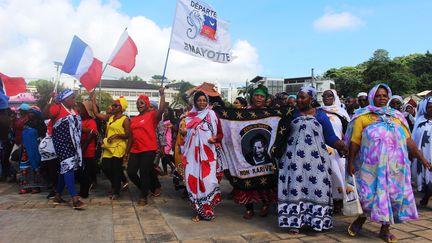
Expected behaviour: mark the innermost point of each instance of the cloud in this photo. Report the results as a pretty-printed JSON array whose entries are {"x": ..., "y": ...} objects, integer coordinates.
[
  {"x": 337, "y": 21},
  {"x": 35, "y": 33}
]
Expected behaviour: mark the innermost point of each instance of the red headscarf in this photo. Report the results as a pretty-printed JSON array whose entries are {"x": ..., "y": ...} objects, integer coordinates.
[{"x": 145, "y": 98}]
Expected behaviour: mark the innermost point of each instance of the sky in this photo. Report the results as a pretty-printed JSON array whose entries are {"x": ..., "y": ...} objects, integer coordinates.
[{"x": 272, "y": 38}]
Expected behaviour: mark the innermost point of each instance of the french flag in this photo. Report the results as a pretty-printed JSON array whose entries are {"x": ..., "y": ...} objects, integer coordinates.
[
  {"x": 81, "y": 64},
  {"x": 124, "y": 54}
]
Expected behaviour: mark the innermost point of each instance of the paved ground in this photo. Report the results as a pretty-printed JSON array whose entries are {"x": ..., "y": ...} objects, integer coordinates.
[{"x": 32, "y": 218}]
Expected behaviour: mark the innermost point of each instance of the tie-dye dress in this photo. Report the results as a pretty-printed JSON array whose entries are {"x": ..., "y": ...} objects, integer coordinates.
[{"x": 382, "y": 165}]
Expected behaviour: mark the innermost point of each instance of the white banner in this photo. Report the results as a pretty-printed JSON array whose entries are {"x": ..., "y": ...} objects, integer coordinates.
[{"x": 198, "y": 32}]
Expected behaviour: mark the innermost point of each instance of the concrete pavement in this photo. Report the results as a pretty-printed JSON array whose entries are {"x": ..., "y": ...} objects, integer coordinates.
[{"x": 32, "y": 218}]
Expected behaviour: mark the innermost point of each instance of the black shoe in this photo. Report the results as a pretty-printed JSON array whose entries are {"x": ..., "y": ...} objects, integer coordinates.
[{"x": 51, "y": 195}]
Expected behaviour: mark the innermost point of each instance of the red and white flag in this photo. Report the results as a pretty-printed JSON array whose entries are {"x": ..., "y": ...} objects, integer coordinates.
[
  {"x": 124, "y": 54},
  {"x": 13, "y": 85}
]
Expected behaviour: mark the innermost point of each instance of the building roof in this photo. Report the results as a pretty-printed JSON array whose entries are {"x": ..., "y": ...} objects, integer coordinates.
[
  {"x": 207, "y": 88},
  {"x": 297, "y": 79},
  {"x": 125, "y": 84},
  {"x": 256, "y": 79}
]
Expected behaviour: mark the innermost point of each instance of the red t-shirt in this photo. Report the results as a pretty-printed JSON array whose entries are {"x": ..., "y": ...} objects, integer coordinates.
[
  {"x": 143, "y": 128},
  {"x": 90, "y": 151},
  {"x": 58, "y": 111}
]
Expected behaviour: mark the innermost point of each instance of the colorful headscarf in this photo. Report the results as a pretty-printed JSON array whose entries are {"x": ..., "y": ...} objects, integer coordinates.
[
  {"x": 123, "y": 102},
  {"x": 398, "y": 97},
  {"x": 154, "y": 104},
  {"x": 62, "y": 96},
  {"x": 372, "y": 92},
  {"x": 422, "y": 106},
  {"x": 145, "y": 98},
  {"x": 24, "y": 107},
  {"x": 309, "y": 90},
  {"x": 35, "y": 110},
  {"x": 261, "y": 90}
]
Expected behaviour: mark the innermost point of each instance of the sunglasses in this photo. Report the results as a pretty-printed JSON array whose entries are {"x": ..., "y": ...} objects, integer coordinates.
[{"x": 115, "y": 105}]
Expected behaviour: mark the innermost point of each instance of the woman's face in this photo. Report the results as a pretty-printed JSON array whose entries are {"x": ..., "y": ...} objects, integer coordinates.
[
  {"x": 328, "y": 98},
  {"x": 303, "y": 101},
  {"x": 141, "y": 106},
  {"x": 258, "y": 100},
  {"x": 381, "y": 97},
  {"x": 237, "y": 104},
  {"x": 69, "y": 102},
  {"x": 201, "y": 103},
  {"x": 116, "y": 108},
  {"x": 410, "y": 110},
  {"x": 429, "y": 110},
  {"x": 396, "y": 104}
]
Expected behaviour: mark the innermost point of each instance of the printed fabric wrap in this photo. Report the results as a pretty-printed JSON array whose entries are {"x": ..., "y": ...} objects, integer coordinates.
[
  {"x": 305, "y": 178},
  {"x": 382, "y": 166},
  {"x": 422, "y": 137},
  {"x": 200, "y": 161},
  {"x": 66, "y": 139}
]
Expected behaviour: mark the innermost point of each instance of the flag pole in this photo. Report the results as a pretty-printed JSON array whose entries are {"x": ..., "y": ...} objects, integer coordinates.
[
  {"x": 100, "y": 87},
  {"x": 166, "y": 62}
]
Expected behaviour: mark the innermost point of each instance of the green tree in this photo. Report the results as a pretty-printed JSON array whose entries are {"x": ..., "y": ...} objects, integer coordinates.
[
  {"x": 348, "y": 80},
  {"x": 380, "y": 55},
  {"x": 181, "y": 97},
  {"x": 132, "y": 78},
  {"x": 44, "y": 90},
  {"x": 107, "y": 99},
  {"x": 245, "y": 90}
]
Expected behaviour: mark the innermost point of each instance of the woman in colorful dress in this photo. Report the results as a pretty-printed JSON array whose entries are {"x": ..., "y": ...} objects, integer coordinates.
[
  {"x": 142, "y": 146},
  {"x": 339, "y": 119},
  {"x": 114, "y": 143},
  {"x": 422, "y": 134},
  {"x": 66, "y": 136},
  {"x": 200, "y": 157},
  {"x": 167, "y": 157},
  {"x": 379, "y": 142},
  {"x": 254, "y": 196},
  {"x": 305, "y": 171},
  {"x": 29, "y": 177}
]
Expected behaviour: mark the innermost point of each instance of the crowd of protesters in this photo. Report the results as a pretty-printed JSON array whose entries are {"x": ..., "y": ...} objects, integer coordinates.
[{"x": 383, "y": 141}]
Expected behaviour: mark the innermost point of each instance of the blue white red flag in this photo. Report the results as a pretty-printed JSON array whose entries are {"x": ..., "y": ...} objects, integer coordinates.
[{"x": 81, "y": 64}]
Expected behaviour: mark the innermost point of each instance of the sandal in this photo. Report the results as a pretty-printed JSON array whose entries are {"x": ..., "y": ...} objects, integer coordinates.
[
  {"x": 196, "y": 218},
  {"x": 248, "y": 214},
  {"x": 156, "y": 193},
  {"x": 142, "y": 202},
  {"x": 294, "y": 231},
  {"x": 58, "y": 199},
  {"x": 388, "y": 237},
  {"x": 78, "y": 205},
  {"x": 353, "y": 228},
  {"x": 264, "y": 211}
]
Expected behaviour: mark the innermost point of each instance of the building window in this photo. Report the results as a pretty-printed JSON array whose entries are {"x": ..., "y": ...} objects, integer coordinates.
[
  {"x": 125, "y": 93},
  {"x": 117, "y": 93},
  {"x": 155, "y": 94}
]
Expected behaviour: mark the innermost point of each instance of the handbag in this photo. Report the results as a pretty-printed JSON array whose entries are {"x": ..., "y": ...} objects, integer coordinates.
[{"x": 351, "y": 202}]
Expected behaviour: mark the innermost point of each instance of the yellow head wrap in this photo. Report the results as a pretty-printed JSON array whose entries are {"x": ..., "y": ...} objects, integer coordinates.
[{"x": 123, "y": 103}]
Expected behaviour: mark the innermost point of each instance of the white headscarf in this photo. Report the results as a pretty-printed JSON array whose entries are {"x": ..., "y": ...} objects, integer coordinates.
[{"x": 336, "y": 107}]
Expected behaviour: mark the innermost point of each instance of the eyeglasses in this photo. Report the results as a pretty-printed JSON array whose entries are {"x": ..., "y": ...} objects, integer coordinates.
[{"x": 115, "y": 105}]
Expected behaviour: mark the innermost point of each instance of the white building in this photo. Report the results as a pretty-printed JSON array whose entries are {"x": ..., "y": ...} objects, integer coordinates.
[
  {"x": 130, "y": 90},
  {"x": 293, "y": 85},
  {"x": 274, "y": 85},
  {"x": 228, "y": 93}
]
